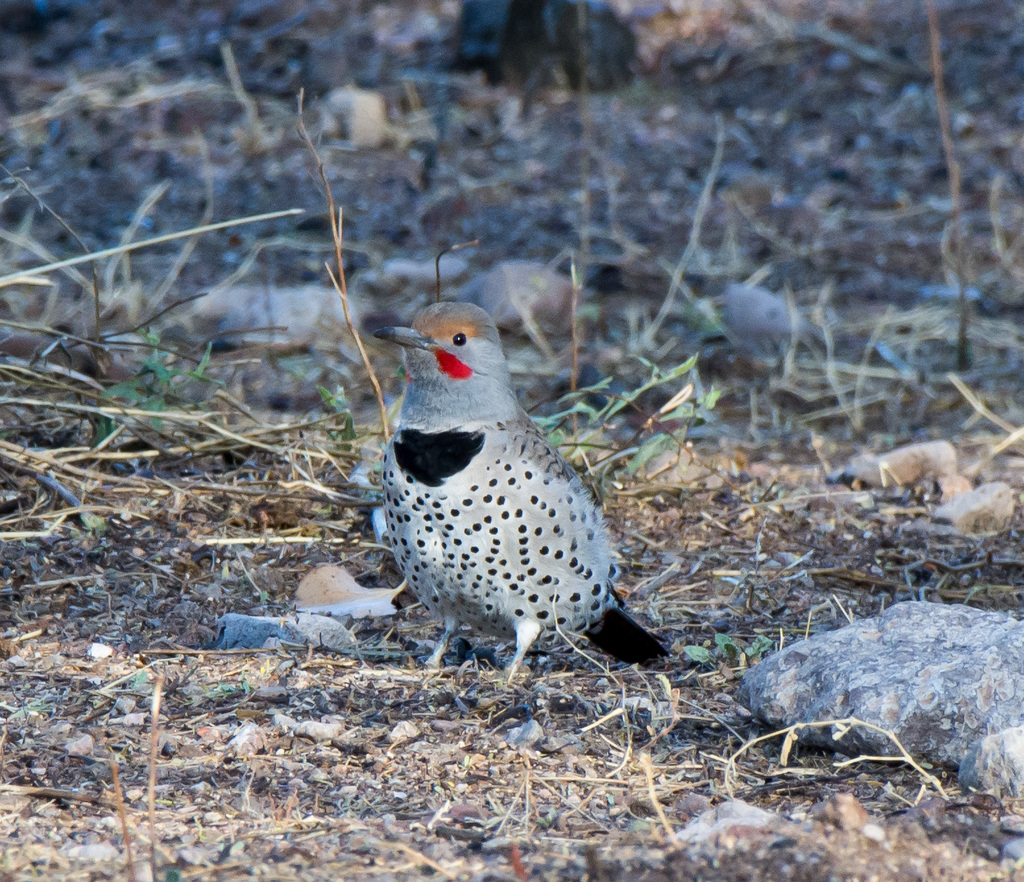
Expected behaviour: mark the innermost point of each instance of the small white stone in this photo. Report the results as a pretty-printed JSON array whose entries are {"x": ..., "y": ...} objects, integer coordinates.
[
  {"x": 358, "y": 114},
  {"x": 81, "y": 746},
  {"x": 525, "y": 735},
  {"x": 100, "y": 650},
  {"x": 94, "y": 851},
  {"x": 873, "y": 832},
  {"x": 404, "y": 731}
]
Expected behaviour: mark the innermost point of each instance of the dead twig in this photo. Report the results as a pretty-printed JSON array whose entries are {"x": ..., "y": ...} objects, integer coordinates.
[
  {"x": 51, "y": 484},
  {"x": 57, "y": 793}
]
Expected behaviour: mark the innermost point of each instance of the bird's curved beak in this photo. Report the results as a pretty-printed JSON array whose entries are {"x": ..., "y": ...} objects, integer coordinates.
[{"x": 406, "y": 337}]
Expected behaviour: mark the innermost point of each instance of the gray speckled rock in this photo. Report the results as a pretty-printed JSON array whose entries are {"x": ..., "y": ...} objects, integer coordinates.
[
  {"x": 237, "y": 631},
  {"x": 939, "y": 677},
  {"x": 995, "y": 764}
]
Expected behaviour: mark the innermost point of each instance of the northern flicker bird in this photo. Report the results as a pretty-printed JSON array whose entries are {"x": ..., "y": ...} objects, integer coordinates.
[{"x": 491, "y": 527}]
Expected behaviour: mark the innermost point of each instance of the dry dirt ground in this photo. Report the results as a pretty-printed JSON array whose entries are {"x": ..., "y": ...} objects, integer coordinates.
[{"x": 134, "y": 518}]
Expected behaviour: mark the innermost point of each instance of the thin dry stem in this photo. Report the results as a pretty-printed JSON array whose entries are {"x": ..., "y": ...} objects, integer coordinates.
[
  {"x": 587, "y": 125},
  {"x": 340, "y": 285},
  {"x": 122, "y": 815},
  {"x": 149, "y": 202},
  {"x": 154, "y": 752},
  {"x": 953, "y": 170},
  {"x": 693, "y": 243},
  {"x": 437, "y": 262},
  {"x": 645, "y": 764},
  {"x": 255, "y": 135},
  {"x": 71, "y": 232}
]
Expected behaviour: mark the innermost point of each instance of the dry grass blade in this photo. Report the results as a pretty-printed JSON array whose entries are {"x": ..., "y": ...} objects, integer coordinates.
[
  {"x": 693, "y": 243},
  {"x": 645, "y": 764},
  {"x": 1015, "y": 434},
  {"x": 21, "y": 276},
  {"x": 154, "y": 753},
  {"x": 842, "y": 726}
]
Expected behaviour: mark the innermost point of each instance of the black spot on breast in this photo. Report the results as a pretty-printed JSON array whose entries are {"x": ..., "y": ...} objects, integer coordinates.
[{"x": 430, "y": 458}]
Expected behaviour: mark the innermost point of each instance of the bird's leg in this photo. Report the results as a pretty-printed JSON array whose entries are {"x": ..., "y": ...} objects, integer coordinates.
[
  {"x": 450, "y": 627},
  {"x": 526, "y": 632}
]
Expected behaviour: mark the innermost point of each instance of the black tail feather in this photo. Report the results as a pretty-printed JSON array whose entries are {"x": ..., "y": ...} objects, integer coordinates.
[{"x": 618, "y": 635}]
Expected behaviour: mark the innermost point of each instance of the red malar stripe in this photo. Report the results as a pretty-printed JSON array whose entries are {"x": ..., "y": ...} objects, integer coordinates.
[{"x": 451, "y": 366}]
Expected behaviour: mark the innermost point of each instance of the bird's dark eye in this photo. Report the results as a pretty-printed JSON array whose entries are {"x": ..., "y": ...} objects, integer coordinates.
[{"x": 459, "y": 339}]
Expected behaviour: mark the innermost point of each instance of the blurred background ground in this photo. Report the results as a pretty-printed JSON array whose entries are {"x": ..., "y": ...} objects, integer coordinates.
[{"x": 813, "y": 133}]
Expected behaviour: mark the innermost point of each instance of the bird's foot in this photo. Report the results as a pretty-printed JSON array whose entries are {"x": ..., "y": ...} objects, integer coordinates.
[
  {"x": 433, "y": 662},
  {"x": 527, "y": 631}
]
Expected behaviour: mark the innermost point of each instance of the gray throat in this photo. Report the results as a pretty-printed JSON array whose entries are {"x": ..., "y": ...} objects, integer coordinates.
[{"x": 465, "y": 404}]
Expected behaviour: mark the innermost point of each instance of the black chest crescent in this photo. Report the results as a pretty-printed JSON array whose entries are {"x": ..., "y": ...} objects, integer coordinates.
[{"x": 430, "y": 458}]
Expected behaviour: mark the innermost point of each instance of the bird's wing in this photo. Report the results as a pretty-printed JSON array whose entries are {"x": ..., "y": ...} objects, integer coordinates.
[{"x": 526, "y": 440}]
